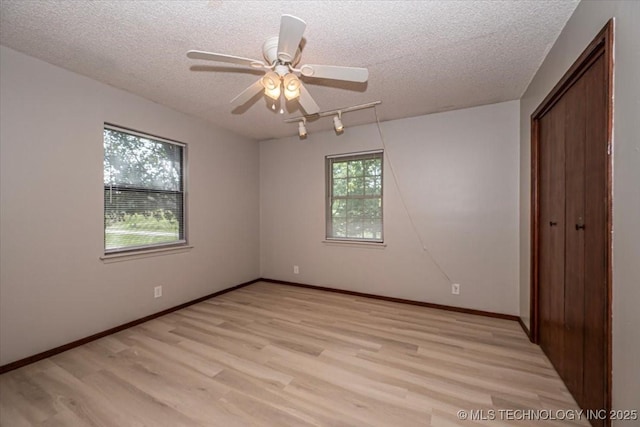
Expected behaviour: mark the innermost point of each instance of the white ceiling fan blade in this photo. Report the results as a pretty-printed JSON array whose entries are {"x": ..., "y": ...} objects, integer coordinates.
[
  {"x": 210, "y": 56},
  {"x": 306, "y": 101},
  {"x": 247, "y": 94},
  {"x": 291, "y": 30},
  {"x": 350, "y": 74}
]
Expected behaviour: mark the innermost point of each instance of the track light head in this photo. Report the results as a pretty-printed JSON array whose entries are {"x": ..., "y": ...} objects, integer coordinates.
[
  {"x": 302, "y": 130},
  {"x": 337, "y": 122}
]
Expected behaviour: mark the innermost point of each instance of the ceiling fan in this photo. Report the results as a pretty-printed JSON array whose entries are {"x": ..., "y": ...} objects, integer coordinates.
[{"x": 282, "y": 55}]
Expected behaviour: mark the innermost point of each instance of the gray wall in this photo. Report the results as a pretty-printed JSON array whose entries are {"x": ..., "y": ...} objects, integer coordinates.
[
  {"x": 53, "y": 286},
  {"x": 458, "y": 175},
  {"x": 586, "y": 22}
]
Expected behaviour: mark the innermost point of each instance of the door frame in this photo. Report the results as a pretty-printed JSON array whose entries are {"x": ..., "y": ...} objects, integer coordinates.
[{"x": 601, "y": 44}]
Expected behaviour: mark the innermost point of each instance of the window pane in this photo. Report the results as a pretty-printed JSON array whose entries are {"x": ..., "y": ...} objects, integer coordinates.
[
  {"x": 339, "y": 227},
  {"x": 373, "y": 186},
  {"x": 134, "y": 218},
  {"x": 133, "y": 161},
  {"x": 339, "y": 208},
  {"x": 373, "y": 229},
  {"x": 355, "y": 208},
  {"x": 372, "y": 208},
  {"x": 340, "y": 170},
  {"x": 373, "y": 167},
  {"x": 354, "y": 168},
  {"x": 340, "y": 187},
  {"x": 355, "y": 228},
  {"x": 355, "y": 186}
]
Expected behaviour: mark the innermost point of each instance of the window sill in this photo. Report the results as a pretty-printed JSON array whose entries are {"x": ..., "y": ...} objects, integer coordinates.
[
  {"x": 355, "y": 244},
  {"x": 145, "y": 253}
]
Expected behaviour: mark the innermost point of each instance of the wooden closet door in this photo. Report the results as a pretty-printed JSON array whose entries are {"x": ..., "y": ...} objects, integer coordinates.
[
  {"x": 571, "y": 292},
  {"x": 595, "y": 238},
  {"x": 552, "y": 231},
  {"x": 575, "y": 127}
]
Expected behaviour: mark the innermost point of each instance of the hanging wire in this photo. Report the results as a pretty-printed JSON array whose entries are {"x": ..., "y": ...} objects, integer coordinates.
[{"x": 404, "y": 204}]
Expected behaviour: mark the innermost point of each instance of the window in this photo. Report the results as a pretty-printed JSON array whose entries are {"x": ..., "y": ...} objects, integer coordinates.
[
  {"x": 354, "y": 197},
  {"x": 143, "y": 191}
]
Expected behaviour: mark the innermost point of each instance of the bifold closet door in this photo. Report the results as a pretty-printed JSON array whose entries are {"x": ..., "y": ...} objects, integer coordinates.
[
  {"x": 574, "y": 291},
  {"x": 572, "y": 259},
  {"x": 552, "y": 231},
  {"x": 571, "y": 241},
  {"x": 585, "y": 253},
  {"x": 595, "y": 239}
]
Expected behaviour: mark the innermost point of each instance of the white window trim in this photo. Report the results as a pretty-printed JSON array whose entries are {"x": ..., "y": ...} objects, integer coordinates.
[
  {"x": 328, "y": 196},
  {"x": 366, "y": 244},
  {"x": 113, "y": 255},
  {"x": 143, "y": 253}
]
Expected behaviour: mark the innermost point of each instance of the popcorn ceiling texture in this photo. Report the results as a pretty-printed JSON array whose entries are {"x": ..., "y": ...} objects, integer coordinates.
[{"x": 423, "y": 56}]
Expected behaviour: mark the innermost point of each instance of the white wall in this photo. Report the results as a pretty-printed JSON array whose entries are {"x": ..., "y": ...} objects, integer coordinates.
[
  {"x": 588, "y": 19},
  {"x": 53, "y": 287},
  {"x": 457, "y": 172}
]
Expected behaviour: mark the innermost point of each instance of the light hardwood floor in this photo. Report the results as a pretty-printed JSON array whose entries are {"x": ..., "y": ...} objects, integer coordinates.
[{"x": 277, "y": 355}]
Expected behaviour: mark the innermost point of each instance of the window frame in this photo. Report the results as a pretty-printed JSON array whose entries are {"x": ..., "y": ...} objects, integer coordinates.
[
  {"x": 182, "y": 241},
  {"x": 329, "y": 197}
]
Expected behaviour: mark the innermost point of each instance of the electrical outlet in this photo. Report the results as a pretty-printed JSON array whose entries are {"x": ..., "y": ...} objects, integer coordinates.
[
  {"x": 455, "y": 288},
  {"x": 157, "y": 292},
  {"x": 296, "y": 269}
]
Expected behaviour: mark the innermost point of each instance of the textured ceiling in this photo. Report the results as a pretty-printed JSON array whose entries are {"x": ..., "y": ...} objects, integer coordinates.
[{"x": 422, "y": 56}]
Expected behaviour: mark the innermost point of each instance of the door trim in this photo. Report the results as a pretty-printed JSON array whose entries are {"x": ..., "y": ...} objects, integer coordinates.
[{"x": 602, "y": 44}]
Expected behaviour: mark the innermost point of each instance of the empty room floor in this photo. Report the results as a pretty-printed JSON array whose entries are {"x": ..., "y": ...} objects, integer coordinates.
[{"x": 278, "y": 355}]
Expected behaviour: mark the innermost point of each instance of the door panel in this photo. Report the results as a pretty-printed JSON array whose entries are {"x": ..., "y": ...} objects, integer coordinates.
[
  {"x": 552, "y": 157},
  {"x": 575, "y": 122},
  {"x": 595, "y": 238}
]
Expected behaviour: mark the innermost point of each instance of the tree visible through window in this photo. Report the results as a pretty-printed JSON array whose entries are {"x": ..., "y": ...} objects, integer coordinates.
[
  {"x": 354, "y": 197},
  {"x": 143, "y": 191}
]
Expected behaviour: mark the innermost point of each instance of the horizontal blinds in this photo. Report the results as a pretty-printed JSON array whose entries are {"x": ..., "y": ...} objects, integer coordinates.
[{"x": 356, "y": 156}]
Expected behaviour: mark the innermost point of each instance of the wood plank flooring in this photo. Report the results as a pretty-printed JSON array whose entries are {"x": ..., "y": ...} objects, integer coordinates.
[{"x": 275, "y": 355}]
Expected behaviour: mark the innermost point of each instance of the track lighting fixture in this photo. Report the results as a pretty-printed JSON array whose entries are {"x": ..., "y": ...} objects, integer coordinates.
[
  {"x": 337, "y": 122},
  {"x": 337, "y": 116},
  {"x": 302, "y": 130}
]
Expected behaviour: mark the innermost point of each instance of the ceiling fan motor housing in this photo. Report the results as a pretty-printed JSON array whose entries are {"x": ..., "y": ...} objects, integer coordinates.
[{"x": 270, "y": 52}]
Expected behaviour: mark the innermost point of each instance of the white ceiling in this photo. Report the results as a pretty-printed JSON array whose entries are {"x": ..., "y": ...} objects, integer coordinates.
[{"x": 422, "y": 56}]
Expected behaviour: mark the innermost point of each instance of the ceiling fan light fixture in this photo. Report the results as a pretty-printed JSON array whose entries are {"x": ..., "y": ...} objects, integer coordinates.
[
  {"x": 291, "y": 86},
  {"x": 271, "y": 83},
  {"x": 271, "y": 80},
  {"x": 273, "y": 93},
  {"x": 289, "y": 94}
]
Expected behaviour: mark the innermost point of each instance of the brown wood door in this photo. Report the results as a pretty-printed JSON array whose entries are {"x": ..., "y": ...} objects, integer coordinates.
[
  {"x": 572, "y": 272},
  {"x": 552, "y": 230},
  {"x": 575, "y": 122},
  {"x": 595, "y": 239}
]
